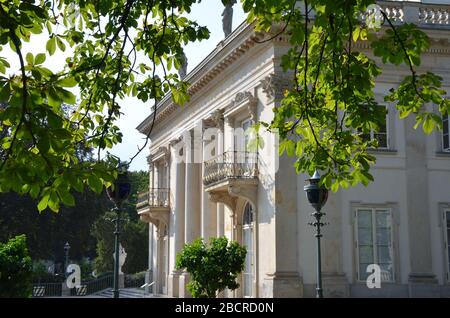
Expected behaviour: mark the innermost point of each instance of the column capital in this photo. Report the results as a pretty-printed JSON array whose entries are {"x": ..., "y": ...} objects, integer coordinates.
[
  {"x": 229, "y": 121},
  {"x": 175, "y": 141},
  {"x": 274, "y": 86},
  {"x": 150, "y": 159},
  {"x": 217, "y": 118}
]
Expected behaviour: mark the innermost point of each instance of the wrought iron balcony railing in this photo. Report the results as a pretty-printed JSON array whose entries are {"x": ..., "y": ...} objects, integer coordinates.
[
  {"x": 231, "y": 165},
  {"x": 155, "y": 198}
]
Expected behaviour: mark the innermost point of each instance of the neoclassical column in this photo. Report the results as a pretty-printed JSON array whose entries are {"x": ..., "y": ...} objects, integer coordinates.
[
  {"x": 192, "y": 204},
  {"x": 150, "y": 171},
  {"x": 421, "y": 276},
  {"x": 192, "y": 196},
  {"x": 209, "y": 208},
  {"x": 220, "y": 144},
  {"x": 177, "y": 217}
]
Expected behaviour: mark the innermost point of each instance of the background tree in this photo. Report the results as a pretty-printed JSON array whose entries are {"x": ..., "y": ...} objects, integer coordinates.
[
  {"x": 15, "y": 268},
  {"x": 212, "y": 268},
  {"x": 105, "y": 37},
  {"x": 134, "y": 236},
  {"x": 48, "y": 232}
]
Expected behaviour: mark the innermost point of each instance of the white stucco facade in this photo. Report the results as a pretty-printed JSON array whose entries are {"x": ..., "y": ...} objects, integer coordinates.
[{"x": 197, "y": 189}]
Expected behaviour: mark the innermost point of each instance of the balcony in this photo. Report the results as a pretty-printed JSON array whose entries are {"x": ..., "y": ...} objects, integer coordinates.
[
  {"x": 232, "y": 165},
  {"x": 428, "y": 15},
  {"x": 153, "y": 206},
  {"x": 230, "y": 176}
]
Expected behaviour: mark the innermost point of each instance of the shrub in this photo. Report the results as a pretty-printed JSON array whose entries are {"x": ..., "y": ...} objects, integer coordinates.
[
  {"x": 212, "y": 268},
  {"x": 16, "y": 269}
]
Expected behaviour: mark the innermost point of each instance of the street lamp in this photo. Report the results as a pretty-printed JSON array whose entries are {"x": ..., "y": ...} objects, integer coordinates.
[
  {"x": 317, "y": 197},
  {"x": 120, "y": 192},
  {"x": 66, "y": 254}
]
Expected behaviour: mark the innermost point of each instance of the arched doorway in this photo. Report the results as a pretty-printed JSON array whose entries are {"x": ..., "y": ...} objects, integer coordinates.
[{"x": 247, "y": 241}]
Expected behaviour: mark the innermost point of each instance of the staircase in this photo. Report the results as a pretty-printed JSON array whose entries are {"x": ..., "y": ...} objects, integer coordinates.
[{"x": 124, "y": 293}]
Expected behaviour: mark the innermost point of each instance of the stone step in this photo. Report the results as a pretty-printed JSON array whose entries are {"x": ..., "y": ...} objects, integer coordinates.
[{"x": 124, "y": 293}]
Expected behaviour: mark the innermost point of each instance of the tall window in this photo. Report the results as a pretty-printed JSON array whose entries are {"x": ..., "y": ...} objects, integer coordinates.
[
  {"x": 447, "y": 235},
  {"x": 245, "y": 126},
  {"x": 381, "y": 135},
  {"x": 162, "y": 175},
  {"x": 374, "y": 242},
  {"x": 445, "y": 133},
  {"x": 247, "y": 239}
]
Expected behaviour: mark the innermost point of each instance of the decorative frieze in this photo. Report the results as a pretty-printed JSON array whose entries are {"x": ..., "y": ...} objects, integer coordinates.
[
  {"x": 175, "y": 141},
  {"x": 242, "y": 99},
  {"x": 275, "y": 85},
  {"x": 162, "y": 153}
]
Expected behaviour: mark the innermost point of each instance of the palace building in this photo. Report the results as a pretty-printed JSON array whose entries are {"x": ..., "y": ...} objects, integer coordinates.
[{"x": 203, "y": 182}]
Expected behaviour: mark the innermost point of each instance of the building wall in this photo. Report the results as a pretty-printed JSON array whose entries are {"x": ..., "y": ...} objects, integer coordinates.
[{"x": 412, "y": 178}]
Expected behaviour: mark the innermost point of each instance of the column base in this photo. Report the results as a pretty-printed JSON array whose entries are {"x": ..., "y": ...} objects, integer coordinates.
[
  {"x": 173, "y": 284},
  {"x": 282, "y": 285},
  {"x": 335, "y": 285},
  {"x": 183, "y": 281},
  {"x": 423, "y": 285},
  {"x": 148, "y": 281}
]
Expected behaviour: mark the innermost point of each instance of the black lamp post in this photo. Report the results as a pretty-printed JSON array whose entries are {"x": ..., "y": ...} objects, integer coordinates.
[
  {"x": 66, "y": 254},
  {"x": 317, "y": 197},
  {"x": 120, "y": 192}
]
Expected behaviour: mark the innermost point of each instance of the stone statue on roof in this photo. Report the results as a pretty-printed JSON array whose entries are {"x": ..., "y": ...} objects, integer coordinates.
[
  {"x": 183, "y": 68},
  {"x": 227, "y": 14}
]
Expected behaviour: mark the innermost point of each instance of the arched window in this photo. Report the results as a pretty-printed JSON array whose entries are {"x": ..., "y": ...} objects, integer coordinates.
[{"x": 247, "y": 240}]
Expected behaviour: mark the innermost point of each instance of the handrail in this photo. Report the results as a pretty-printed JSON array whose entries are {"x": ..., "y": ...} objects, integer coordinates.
[
  {"x": 231, "y": 165},
  {"x": 155, "y": 197}
]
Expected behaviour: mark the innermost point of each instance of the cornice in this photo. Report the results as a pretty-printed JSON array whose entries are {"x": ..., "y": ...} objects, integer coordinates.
[
  {"x": 244, "y": 38},
  {"x": 242, "y": 99},
  {"x": 202, "y": 75}
]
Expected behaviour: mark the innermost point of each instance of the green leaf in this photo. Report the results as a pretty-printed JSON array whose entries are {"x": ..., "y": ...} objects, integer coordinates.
[
  {"x": 40, "y": 58},
  {"x": 355, "y": 34},
  {"x": 30, "y": 59},
  {"x": 67, "y": 96},
  {"x": 51, "y": 45},
  {"x": 34, "y": 191},
  {"x": 61, "y": 44},
  {"x": 66, "y": 197},
  {"x": 363, "y": 34},
  {"x": 53, "y": 98},
  {"x": 95, "y": 184},
  {"x": 53, "y": 202},
  {"x": 428, "y": 125},
  {"x": 67, "y": 82},
  {"x": 77, "y": 184},
  {"x": 43, "y": 203},
  {"x": 290, "y": 147},
  {"x": 335, "y": 186}
]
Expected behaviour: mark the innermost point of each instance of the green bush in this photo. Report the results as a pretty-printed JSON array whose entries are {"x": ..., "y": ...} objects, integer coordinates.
[
  {"x": 212, "y": 268},
  {"x": 16, "y": 269}
]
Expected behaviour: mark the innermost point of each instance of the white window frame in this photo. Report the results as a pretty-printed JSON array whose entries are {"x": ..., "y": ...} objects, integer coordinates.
[
  {"x": 446, "y": 243},
  {"x": 248, "y": 121},
  {"x": 446, "y": 135},
  {"x": 375, "y": 256},
  {"x": 372, "y": 132},
  {"x": 250, "y": 226}
]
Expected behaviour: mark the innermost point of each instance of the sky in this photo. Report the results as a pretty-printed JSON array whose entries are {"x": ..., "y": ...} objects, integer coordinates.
[{"x": 207, "y": 13}]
